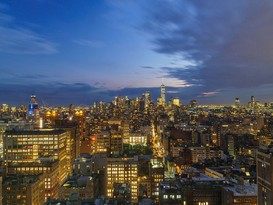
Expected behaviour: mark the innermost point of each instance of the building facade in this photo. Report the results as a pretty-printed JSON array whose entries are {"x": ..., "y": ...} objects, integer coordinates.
[
  {"x": 24, "y": 190},
  {"x": 121, "y": 172},
  {"x": 264, "y": 163}
]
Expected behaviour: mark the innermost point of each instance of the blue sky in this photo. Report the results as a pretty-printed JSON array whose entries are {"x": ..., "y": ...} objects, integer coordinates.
[{"x": 84, "y": 51}]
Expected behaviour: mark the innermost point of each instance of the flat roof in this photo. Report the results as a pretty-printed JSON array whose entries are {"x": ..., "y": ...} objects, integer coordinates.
[
  {"x": 35, "y": 132},
  {"x": 245, "y": 190}
]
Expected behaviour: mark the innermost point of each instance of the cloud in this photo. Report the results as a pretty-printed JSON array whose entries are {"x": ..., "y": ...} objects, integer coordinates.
[
  {"x": 172, "y": 91},
  {"x": 230, "y": 42},
  {"x": 148, "y": 67},
  {"x": 10, "y": 77},
  {"x": 51, "y": 93},
  {"x": 88, "y": 43},
  {"x": 208, "y": 94},
  {"x": 20, "y": 40}
]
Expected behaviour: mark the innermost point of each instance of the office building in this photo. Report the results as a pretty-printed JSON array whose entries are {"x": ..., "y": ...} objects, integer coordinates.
[
  {"x": 122, "y": 178},
  {"x": 156, "y": 174},
  {"x": 1, "y": 179},
  {"x": 125, "y": 130},
  {"x": 199, "y": 154},
  {"x": 101, "y": 142},
  {"x": 138, "y": 138},
  {"x": 25, "y": 147},
  {"x": 48, "y": 167},
  {"x": 170, "y": 193},
  {"x": 199, "y": 189},
  {"x": 116, "y": 143},
  {"x": 24, "y": 190},
  {"x": 245, "y": 194},
  {"x": 264, "y": 163},
  {"x": 3, "y": 127}
]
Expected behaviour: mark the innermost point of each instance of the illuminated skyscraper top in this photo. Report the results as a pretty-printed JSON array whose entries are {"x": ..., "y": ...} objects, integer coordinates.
[
  {"x": 163, "y": 94},
  {"x": 33, "y": 106}
]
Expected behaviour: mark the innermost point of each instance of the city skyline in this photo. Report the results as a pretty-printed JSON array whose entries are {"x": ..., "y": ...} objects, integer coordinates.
[{"x": 80, "y": 52}]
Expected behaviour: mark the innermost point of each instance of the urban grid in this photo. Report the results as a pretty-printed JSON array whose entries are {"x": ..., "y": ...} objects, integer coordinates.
[{"x": 136, "y": 151}]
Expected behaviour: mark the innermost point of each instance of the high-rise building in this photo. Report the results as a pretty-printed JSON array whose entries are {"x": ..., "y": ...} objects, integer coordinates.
[
  {"x": 175, "y": 101},
  {"x": 33, "y": 106},
  {"x": 3, "y": 127},
  {"x": 30, "y": 145},
  {"x": 147, "y": 99},
  {"x": 125, "y": 130},
  {"x": 101, "y": 142},
  {"x": 46, "y": 166},
  {"x": 163, "y": 94},
  {"x": 1, "y": 190},
  {"x": 33, "y": 112},
  {"x": 237, "y": 102},
  {"x": 121, "y": 173},
  {"x": 264, "y": 162},
  {"x": 73, "y": 140},
  {"x": 252, "y": 102},
  {"x": 116, "y": 143},
  {"x": 193, "y": 104},
  {"x": 156, "y": 172}
]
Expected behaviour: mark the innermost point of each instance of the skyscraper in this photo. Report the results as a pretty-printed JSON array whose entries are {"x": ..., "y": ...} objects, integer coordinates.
[
  {"x": 147, "y": 99},
  {"x": 163, "y": 94},
  {"x": 33, "y": 106},
  {"x": 252, "y": 102},
  {"x": 0, "y": 189},
  {"x": 156, "y": 172},
  {"x": 27, "y": 146},
  {"x": 237, "y": 102},
  {"x": 264, "y": 161}
]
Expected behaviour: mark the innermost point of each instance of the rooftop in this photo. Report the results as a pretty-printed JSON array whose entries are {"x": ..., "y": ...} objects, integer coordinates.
[
  {"x": 243, "y": 190},
  {"x": 21, "y": 179},
  {"x": 80, "y": 181},
  {"x": 35, "y": 132}
]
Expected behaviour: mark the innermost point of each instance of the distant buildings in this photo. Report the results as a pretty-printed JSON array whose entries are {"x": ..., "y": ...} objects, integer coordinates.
[
  {"x": 163, "y": 94},
  {"x": 136, "y": 151}
]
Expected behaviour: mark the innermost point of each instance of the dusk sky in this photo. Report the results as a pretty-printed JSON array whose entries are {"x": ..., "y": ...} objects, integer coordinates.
[{"x": 78, "y": 52}]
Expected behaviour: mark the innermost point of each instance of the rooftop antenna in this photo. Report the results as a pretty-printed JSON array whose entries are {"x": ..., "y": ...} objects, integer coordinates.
[{"x": 162, "y": 79}]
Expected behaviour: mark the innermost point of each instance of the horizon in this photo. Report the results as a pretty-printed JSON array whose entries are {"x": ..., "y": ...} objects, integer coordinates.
[{"x": 42, "y": 103}]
